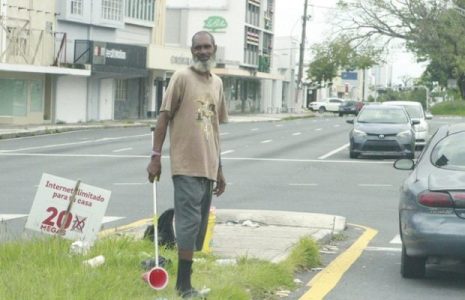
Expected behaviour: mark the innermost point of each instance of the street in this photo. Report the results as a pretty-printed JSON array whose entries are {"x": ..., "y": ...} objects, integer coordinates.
[{"x": 297, "y": 165}]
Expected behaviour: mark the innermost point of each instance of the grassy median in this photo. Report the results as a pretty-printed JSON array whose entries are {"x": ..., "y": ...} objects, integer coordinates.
[{"x": 44, "y": 269}]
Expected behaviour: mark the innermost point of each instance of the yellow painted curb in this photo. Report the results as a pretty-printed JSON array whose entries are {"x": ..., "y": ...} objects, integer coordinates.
[
  {"x": 130, "y": 226},
  {"x": 327, "y": 279}
]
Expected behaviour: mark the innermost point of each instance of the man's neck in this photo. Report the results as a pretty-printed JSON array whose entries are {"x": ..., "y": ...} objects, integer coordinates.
[{"x": 206, "y": 74}]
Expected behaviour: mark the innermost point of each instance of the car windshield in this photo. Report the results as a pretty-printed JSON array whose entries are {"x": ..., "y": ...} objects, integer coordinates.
[
  {"x": 414, "y": 111},
  {"x": 449, "y": 153},
  {"x": 389, "y": 116}
]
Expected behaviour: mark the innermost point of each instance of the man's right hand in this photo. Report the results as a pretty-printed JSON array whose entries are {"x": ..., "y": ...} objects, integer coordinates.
[{"x": 154, "y": 168}]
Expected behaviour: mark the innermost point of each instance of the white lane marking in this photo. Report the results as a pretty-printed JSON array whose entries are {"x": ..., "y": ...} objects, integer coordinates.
[
  {"x": 266, "y": 141},
  {"x": 374, "y": 185},
  {"x": 279, "y": 125},
  {"x": 254, "y": 129},
  {"x": 108, "y": 219},
  {"x": 383, "y": 249},
  {"x": 121, "y": 150},
  {"x": 303, "y": 184},
  {"x": 224, "y": 133},
  {"x": 319, "y": 129},
  {"x": 6, "y": 217},
  {"x": 363, "y": 162},
  {"x": 130, "y": 183},
  {"x": 396, "y": 240},
  {"x": 77, "y": 143},
  {"x": 334, "y": 151},
  {"x": 337, "y": 125},
  {"x": 297, "y": 133},
  {"x": 227, "y": 152}
]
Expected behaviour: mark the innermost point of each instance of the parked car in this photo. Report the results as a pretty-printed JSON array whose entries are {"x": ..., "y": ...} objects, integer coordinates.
[
  {"x": 330, "y": 104},
  {"x": 416, "y": 112},
  {"x": 350, "y": 107},
  {"x": 432, "y": 202},
  {"x": 382, "y": 130}
]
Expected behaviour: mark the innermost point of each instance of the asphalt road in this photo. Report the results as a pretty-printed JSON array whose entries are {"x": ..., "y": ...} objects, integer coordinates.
[{"x": 299, "y": 165}]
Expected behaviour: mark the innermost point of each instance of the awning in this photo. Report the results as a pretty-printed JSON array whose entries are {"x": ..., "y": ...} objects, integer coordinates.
[{"x": 43, "y": 70}]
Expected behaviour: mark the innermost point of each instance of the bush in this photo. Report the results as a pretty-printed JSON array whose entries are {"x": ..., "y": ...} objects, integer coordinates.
[{"x": 456, "y": 108}]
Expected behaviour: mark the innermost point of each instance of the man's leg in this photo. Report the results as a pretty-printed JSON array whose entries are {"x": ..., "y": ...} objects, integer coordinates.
[{"x": 192, "y": 195}]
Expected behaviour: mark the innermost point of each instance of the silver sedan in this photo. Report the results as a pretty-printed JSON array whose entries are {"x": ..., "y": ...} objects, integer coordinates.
[{"x": 432, "y": 202}]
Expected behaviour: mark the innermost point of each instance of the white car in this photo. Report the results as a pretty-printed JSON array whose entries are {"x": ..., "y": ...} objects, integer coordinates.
[
  {"x": 330, "y": 104},
  {"x": 416, "y": 112}
]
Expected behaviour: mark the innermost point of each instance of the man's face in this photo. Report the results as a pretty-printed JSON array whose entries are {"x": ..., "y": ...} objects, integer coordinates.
[{"x": 203, "y": 48}]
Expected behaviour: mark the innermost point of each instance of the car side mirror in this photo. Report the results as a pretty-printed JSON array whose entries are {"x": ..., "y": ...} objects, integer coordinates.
[
  {"x": 415, "y": 122},
  {"x": 350, "y": 121},
  {"x": 404, "y": 164},
  {"x": 428, "y": 116}
]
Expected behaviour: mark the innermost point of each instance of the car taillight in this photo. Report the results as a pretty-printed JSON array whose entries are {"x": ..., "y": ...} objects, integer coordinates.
[{"x": 435, "y": 199}]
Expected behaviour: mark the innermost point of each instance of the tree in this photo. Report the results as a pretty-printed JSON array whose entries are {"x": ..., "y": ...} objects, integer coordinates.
[
  {"x": 332, "y": 56},
  {"x": 434, "y": 30}
]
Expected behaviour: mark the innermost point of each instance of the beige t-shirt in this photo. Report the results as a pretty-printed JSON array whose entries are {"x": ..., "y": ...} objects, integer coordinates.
[{"x": 196, "y": 107}]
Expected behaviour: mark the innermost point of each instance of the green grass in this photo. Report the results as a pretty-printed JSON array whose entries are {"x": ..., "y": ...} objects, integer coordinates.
[
  {"x": 453, "y": 108},
  {"x": 44, "y": 269}
]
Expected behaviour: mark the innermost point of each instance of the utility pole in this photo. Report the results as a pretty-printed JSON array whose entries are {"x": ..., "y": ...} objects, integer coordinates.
[{"x": 301, "y": 53}]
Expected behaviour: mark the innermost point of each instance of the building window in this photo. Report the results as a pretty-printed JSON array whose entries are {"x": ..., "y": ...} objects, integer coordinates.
[
  {"x": 121, "y": 90},
  {"x": 76, "y": 7},
  {"x": 13, "y": 99},
  {"x": 112, "y": 10},
  {"x": 253, "y": 15},
  {"x": 143, "y": 10}
]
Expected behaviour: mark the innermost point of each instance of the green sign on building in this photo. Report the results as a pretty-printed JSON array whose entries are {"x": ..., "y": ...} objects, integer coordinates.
[{"x": 215, "y": 23}]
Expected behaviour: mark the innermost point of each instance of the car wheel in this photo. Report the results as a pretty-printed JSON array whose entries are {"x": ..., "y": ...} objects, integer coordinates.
[
  {"x": 322, "y": 109},
  {"x": 341, "y": 114},
  {"x": 353, "y": 154},
  {"x": 412, "y": 267}
]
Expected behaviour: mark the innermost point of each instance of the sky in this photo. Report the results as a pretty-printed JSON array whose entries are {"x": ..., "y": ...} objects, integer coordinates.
[{"x": 288, "y": 22}]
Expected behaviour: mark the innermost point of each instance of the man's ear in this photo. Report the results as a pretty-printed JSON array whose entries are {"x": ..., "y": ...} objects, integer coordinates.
[{"x": 215, "y": 47}]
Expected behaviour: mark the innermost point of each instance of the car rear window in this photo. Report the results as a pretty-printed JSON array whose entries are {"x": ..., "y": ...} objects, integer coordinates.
[
  {"x": 449, "y": 153},
  {"x": 414, "y": 111}
]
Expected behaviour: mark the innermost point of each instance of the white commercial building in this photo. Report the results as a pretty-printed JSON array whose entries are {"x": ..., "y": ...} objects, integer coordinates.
[{"x": 244, "y": 33}]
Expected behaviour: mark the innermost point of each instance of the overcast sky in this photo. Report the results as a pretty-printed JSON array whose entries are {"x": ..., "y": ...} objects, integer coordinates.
[{"x": 288, "y": 22}]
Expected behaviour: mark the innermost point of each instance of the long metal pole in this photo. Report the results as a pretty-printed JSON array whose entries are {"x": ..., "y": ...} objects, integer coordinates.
[{"x": 301, "y": 53}]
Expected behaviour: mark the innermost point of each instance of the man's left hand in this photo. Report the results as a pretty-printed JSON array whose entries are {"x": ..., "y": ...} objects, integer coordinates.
[{"x": 220, "y": 185}]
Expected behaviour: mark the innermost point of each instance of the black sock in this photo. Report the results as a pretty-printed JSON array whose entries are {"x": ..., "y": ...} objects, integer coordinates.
[{"x": 183, "y": 281}]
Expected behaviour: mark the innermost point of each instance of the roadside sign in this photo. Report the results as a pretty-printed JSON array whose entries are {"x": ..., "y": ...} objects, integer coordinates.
[{"x": 48, "y": 212}]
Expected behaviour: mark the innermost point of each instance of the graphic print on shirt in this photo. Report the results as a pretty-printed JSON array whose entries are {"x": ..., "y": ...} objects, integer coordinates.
[{"x": 205, "y": 114}]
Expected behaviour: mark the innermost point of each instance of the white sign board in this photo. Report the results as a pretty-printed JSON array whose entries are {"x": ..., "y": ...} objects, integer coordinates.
[{"x": 51, "y": 201}]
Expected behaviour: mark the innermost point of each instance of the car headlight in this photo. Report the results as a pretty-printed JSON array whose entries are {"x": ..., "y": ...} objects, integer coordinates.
[
  {"x": 359, "y": 133},
  {"x": 405, "y": 134},
  {"x": 421, "y": 127}
]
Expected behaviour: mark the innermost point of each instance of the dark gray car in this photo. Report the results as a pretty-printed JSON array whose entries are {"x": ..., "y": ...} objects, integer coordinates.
[
  {"x": 382, "y": 130},
  {"x": 432, "y": 202}
]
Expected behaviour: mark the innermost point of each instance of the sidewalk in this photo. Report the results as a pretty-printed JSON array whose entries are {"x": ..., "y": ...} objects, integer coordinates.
[
  {"x": 14, "y": 131},
  {"x": 267, "y": 235}
]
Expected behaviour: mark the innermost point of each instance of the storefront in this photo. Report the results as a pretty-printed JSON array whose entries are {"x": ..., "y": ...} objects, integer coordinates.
[
  {"x": 117, "y": 87},
  {"x": 27, "y": 92}
]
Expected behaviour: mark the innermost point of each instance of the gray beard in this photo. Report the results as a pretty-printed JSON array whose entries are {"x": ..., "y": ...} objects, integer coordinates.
[{"x": 202, "y": 66}]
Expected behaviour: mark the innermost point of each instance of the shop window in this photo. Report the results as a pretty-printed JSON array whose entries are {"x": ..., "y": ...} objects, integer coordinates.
[
  {"x": 121, "y": 90},
  {"x": 13, "y": 98},
  {"x": 112, "y": 10},
  {"x": 37, "y": 96},
  {"x": 76, "y": 7}
]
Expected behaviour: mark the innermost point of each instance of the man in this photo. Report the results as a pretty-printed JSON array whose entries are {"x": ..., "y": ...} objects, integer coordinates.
[{"x": 193, "y": 108}]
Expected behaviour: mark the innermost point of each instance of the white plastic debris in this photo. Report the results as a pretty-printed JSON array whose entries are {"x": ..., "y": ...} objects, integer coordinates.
[
  {"x": 226, "y": 261},
  {"x": 249, "y": 223},
  {"x": 80, "y": 247},
  {"x": 298, "y": 281},
  {"x": 95, "y": 262}
]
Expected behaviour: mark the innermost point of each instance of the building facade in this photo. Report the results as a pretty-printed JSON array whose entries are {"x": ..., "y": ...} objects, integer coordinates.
[
  {"x": 28, "y": 62},
  {"x": 244, "y": 33},
  {"x": 112, "y": 37}
]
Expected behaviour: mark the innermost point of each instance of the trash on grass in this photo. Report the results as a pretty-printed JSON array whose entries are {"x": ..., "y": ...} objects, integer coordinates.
[
  {"x": 95, "y": 262},
  {"x": 226, "y": 261},
  {"x": 80, "y": 247}
]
